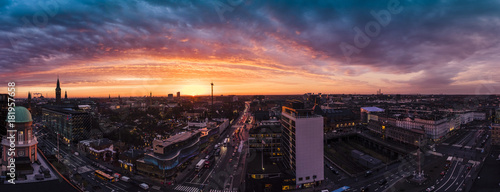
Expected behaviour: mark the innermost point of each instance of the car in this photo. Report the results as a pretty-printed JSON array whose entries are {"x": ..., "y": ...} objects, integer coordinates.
[
  {"x": 144, "y": 186},
  {"x": 469, "y": 166},
  {"x": 446, "y": 166},
  {"x": 443, "y": 173},
  {"x": 368, "y": 173},
  {"x": 234, "y": 154},
  {"x": 364, "y": 189},
  {"x": 125, "y": 178},
  {"x": 38, "y": 162},
  {"x": 41, "y": 170},
  {"x": 382, "y": 182},
  {"x": 230, "y": 160},
  {"x": 431, "y": 188}
]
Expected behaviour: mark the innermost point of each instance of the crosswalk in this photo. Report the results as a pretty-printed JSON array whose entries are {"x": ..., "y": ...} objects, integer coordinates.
[
  {"x": 186, "y": 188},
  {"x": 194, "y": 189},
  {"x": 218, "y": 190}
]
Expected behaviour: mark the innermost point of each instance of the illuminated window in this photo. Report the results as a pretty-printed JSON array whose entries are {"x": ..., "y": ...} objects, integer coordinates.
[{"x": 20, "y": 136}]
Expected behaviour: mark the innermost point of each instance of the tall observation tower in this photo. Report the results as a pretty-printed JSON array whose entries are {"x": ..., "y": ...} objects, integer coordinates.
[{"x": 212, "y": 84}]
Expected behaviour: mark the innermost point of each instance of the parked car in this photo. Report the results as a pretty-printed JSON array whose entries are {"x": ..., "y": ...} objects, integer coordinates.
[
  {"x": 382, "y": 182},
  {"x": 431, "y": 188},
  {"x": 443, "y": 173}
]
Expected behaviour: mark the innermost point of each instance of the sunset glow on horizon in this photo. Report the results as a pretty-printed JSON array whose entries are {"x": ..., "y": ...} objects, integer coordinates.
[{"x": 259, "y": 47}]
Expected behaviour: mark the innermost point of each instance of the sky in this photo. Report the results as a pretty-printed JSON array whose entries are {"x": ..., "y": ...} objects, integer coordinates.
[{"x": 131, "y": 48}]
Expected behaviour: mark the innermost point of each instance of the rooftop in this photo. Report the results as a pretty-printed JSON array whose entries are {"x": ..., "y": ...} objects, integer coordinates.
[
  {"x": 373, "y": 109},
  {"x": 22, "y": 115},
  {"x": 179, "y": 137}
]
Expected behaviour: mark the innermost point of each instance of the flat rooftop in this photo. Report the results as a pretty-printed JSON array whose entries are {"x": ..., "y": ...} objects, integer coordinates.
[
  {"x": 179, "y": 137},
  {"x": 373, "y": 109}
]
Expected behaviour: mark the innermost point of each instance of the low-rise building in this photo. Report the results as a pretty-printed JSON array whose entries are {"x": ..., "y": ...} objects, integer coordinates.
[
  {"x": 101, "y": 149},
  {"x": 367, "y": 112},
  {"x": 495, "y": 134},
  {"x": 168, "y": 153},
  {"x": 128, "y": 159}
]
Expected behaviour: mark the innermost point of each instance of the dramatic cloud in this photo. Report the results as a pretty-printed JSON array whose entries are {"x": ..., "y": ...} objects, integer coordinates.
[{"x": 246, "y": 47}]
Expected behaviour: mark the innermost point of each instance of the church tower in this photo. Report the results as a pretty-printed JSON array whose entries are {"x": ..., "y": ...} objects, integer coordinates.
[
  {"x": 29, "y": 100},
  {"x": 58, "y": 92}
]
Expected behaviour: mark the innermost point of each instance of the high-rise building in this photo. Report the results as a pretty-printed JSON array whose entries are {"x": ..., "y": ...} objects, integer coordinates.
[
  {"x": 65, "y": 95},
  {"x": 178, "y": 95},
  {"x": 170, "y": 97},
  {"x": 72, "y": 126},
  {"x": 302, "y": 142},
  {"x": 58, "y": 92}
]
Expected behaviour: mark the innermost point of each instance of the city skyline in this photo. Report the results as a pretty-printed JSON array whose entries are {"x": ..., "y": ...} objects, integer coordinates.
[{"x": 250, "y": 47}]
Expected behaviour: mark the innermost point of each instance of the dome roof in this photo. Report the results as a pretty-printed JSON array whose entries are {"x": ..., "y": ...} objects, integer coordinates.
[{"x": 22, "y": 115}]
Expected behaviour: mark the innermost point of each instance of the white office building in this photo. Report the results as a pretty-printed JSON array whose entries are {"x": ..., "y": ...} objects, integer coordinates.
[{"x": 302, "y": 141}]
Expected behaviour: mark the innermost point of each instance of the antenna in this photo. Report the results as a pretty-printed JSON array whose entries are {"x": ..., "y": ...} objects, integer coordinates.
[{"x": 212, "y": 84}]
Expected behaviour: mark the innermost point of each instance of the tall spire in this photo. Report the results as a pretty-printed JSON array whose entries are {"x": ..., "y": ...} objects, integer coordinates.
[
  {"x": 58, "y": 85},
  {"x": 65, "y": 94},
  {"x": 29, "y": 100},
  {"x": 58, "y": 92}
]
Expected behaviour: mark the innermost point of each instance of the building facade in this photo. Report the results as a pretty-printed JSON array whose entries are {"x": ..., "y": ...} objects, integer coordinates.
[
  {"x": 366, "y": 113},
  {"x": 495, "y": 134},
  {"x": 435, "y": 128},
  {"x": 99, "y": 149},
  {"x": 3, "y": 112},
  {"x": 23, "y": 137},
  {"x": 302, "y": 142},
  {"x": 266, "y": 137},
  {"x": 72, "y": 126},
  {"x": 387, "y": 130},
  {"x": 168, "y": 153}
]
